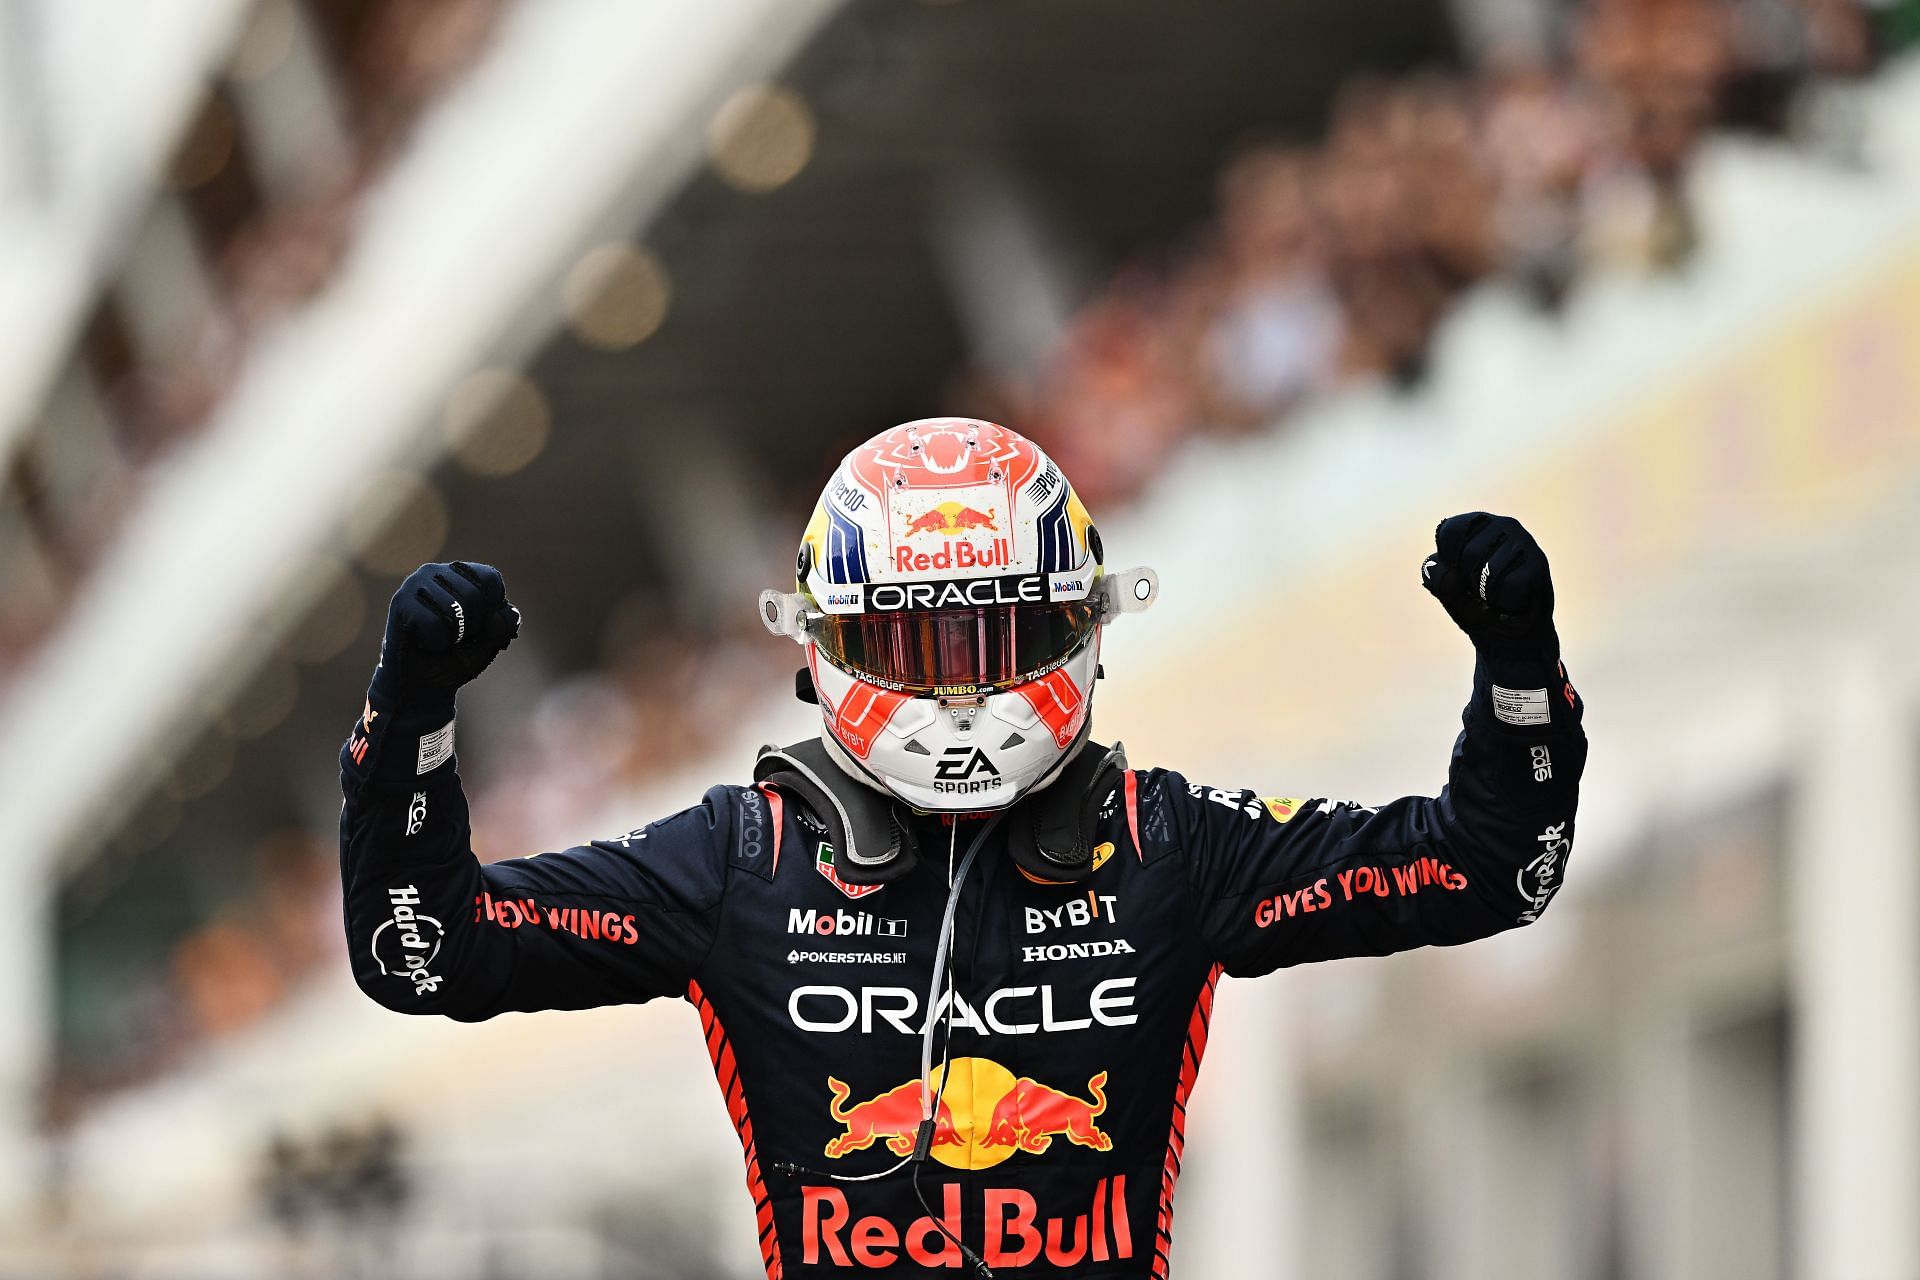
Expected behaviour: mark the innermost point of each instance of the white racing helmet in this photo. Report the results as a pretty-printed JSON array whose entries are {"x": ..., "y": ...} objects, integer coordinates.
[{"x": 951, "y": 599}]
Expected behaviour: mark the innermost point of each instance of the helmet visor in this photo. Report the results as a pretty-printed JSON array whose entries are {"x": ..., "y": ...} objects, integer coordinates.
[{"x": 955, "y": 650}]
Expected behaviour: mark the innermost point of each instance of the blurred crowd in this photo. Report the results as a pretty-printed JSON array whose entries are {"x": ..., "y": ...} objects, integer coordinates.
[
  {"x": 1323, "y": 264},
  {"x": 267, "y": 234},
  {"x": 654, "y": 704},
  {"x": 354, "y": 1175},
  {"x": 270, "y": 218},
  {"x": 1337, "y": 261},
  {"x": 277, "y": 925},
  {"x": 670, "y": 698},
  {"x": 272, "y": 251}
]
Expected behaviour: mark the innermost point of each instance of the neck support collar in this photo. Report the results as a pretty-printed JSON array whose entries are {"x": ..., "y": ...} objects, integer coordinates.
[{"x": 1049, "y": 833}]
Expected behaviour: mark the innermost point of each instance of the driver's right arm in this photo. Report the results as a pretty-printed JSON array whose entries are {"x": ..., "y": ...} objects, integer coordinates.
[{"x": 431, "y": 930}]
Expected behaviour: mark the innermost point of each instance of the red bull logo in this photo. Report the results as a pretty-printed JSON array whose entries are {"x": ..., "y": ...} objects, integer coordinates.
[
  {"x": 893, "y": 1117},
  {"x": 986, "y": 1115},
  {"x": 1033, "y": 1115},
  {"x": 953, "y": 517}
]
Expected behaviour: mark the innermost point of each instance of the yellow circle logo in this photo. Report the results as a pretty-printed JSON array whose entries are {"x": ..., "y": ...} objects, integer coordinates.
[{"x": 974, "y": 1086}]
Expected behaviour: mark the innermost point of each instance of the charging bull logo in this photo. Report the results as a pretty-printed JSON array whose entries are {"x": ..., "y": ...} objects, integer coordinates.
[
  {"x": 952, "y": 517},
  {"x": 893, "y": 1117},
  {"x": 985, "y": 1115},
  {"x": 1033, "y": 1115}
]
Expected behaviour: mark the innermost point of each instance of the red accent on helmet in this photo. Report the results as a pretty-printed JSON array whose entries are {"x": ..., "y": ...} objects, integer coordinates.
[
  {"x": 944, "y": 453},
  {"x": 1058, "y": 702},
  {"x": 863, "y": 714}
]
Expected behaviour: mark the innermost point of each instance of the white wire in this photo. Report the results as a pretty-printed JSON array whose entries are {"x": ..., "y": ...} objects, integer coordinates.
[
  {"x": 930, "y": 1098},
  {"x": 943, "y": 966}
]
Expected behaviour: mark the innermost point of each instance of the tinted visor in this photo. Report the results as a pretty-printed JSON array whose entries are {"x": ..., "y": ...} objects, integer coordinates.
[{"x": 955, "y": 649}]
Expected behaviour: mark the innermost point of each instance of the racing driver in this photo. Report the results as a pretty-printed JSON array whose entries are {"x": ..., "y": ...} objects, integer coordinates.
[{"x": 954, "y": 958}]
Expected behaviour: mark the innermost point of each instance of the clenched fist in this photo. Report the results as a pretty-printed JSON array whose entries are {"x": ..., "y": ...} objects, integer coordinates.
[
  {"x": 444, "y": 625},
  {"x": 1493, "y": 580}
]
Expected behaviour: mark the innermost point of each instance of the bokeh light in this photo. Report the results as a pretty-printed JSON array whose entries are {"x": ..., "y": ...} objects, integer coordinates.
[
  {"x": 761, "y": 139},
  {"x": 321, "y": 605},
  {"x": 267, "y": 42},
  {"x": 496, "y": 421},
  {"x": 397, "y": 520},
  {"x": 156, "y": 818},
  {"x": 266, "y": 700},
  {"x": 202, "y": 768},
  {"x": 617, "y": 296}
]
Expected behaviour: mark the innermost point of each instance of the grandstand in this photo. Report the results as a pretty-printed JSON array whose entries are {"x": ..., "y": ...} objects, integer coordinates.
[{"x": 317, "y": 289}]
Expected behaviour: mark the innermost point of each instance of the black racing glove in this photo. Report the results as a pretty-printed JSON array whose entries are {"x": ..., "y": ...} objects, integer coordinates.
[
  {"x": 445, "y": 624},
  {"x": 1492, "y": 578}
]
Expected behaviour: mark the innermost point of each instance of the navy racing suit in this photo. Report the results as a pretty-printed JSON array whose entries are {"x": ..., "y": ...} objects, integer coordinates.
[{"x": 1081, "y": 1011}]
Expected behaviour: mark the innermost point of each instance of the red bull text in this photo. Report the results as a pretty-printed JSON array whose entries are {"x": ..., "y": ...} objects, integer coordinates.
[
  {"x": 997, "y": 554},
  {"x": 1017, "y": 1235}
]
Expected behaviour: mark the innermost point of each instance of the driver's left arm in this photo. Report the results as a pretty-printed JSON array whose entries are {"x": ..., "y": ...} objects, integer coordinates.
[
  {"x": 1281, "y": 882},
  {"x": 1278, "y": 882}
]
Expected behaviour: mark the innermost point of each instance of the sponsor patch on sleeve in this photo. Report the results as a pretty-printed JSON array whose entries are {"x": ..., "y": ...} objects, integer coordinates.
[
  {"x": 436, "y": 748},
  {"x": 1521, "y": 706},
  {"x": 1281, "y": 808}
]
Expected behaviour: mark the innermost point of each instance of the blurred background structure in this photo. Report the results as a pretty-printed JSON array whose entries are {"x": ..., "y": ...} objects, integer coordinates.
[{"x": 301, "y": 292}]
